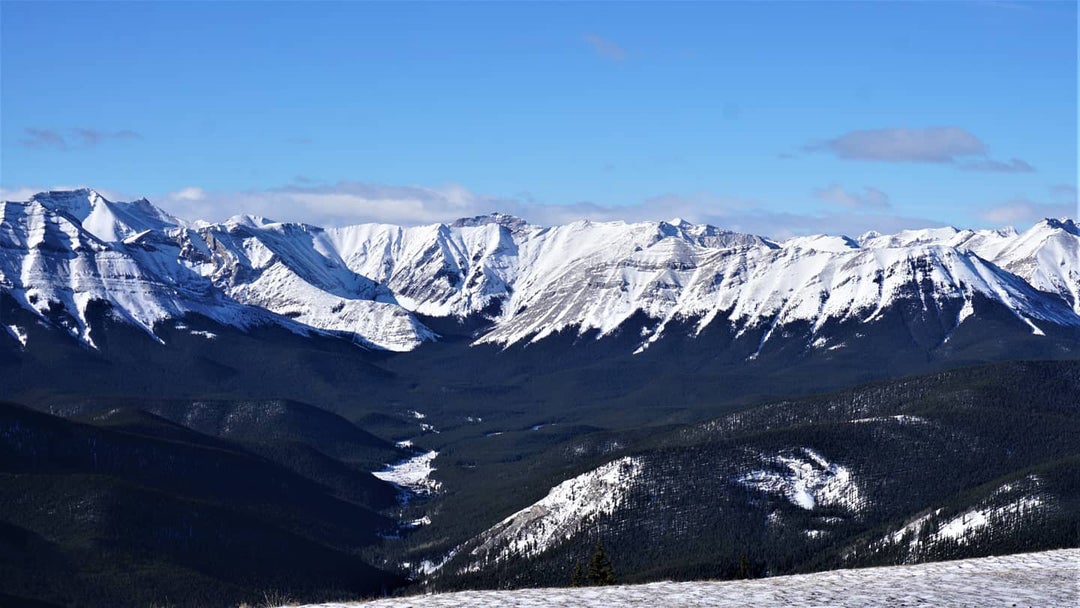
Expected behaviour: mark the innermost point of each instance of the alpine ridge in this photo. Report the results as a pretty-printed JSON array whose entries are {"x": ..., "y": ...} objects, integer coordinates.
[{"x": 381, "y": 285}]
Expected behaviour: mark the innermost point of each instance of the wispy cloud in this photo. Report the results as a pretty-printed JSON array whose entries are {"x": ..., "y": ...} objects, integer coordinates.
[
  {"x": 1025, "y": 211},
  {"x": 78, "y": 137},
  {"x": 189, "y": 194},
  {"x": 43, "y": 138},
  {"x": 352, "y": 202},
  {"x": 946, "y": 145},
  {"x": 344, "y": 202},
  {"x": 1013, "y": 165},
  {"x": 869, "y": 198},
  {"x": 93, "y": 137},
  {"x": 18, "y": 194},
  {"x": 604, "y": 47},
  {"x": 744, "y": 215}
]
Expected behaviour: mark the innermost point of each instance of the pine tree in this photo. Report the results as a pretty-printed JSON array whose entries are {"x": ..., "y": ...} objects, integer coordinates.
[
  {"x": 601, "y": 572},
  {"x": 577, "y": 579},
  {"x": 744, "y": 568}
]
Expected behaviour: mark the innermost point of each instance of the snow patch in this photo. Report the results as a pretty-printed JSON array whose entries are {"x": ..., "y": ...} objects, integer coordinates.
[
  {"x": 1009, "y": 504},
  {"x": 566, "y": 509},
  {"x": 17, "y": 332},
  {"x": 901, "y": 418},
  {"x": 959, "y": 527},
  {"x": 806, "y": 479},
  {"x": 416, "y": 523},
  {"x": 1029, "y": 579}
]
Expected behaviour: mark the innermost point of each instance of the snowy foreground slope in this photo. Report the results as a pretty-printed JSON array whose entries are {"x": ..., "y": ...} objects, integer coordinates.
[{"x": 1049, "y": 579}]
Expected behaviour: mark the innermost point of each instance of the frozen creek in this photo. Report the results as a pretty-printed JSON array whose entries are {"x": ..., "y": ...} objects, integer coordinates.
[{"x": 412, "y": 475}]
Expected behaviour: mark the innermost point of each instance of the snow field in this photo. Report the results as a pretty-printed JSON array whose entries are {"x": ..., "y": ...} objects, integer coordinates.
[{"x": 1048, "y": 579}]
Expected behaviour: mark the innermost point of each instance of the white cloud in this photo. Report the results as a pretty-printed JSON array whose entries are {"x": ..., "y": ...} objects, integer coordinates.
[
  {"x": 782, "y": 225},
  {"x": 948, "y": 145},
  {"x": 18, "y": 194},
  {"x": 351, "y": 202},
  {"x": 1013, "y": 165},
  {"x": 932, "y": 144},
  {"x": 345, "y": 202},
  {"x": 1024, "y": 211},
  {"x": 191, "y": 193}
]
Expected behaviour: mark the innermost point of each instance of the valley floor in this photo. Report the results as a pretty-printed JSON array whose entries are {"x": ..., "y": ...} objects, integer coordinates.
[{"x": 1049, "y": 579}]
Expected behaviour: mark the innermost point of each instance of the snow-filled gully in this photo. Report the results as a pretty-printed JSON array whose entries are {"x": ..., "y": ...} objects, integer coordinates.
[{"x": 412, "y": 476}]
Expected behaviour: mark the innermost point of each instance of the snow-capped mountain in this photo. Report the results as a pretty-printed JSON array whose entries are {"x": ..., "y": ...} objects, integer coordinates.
[
  {"x": 1047, "y": 255},
  {"x": 289, "y": 270},
  {"x": 61, "y": 251}
]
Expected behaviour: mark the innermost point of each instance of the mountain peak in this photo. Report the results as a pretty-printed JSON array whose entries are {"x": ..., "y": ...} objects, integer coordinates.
[
  {"x": 77, "y": 203},
  {"x": 503, "y": 219},
  {"x": 250, "y": 221},
  {"x": 105, "y": 219},
  {"x": 822, "y": 242},
  {"x": 1064, "y": 223}
]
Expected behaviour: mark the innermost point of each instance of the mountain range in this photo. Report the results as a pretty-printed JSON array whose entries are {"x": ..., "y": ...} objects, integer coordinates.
[{"x": 385, "y": 286}]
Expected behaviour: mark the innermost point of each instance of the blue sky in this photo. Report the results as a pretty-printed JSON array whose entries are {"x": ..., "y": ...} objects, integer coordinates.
[{"x": 777, "y": 118}]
